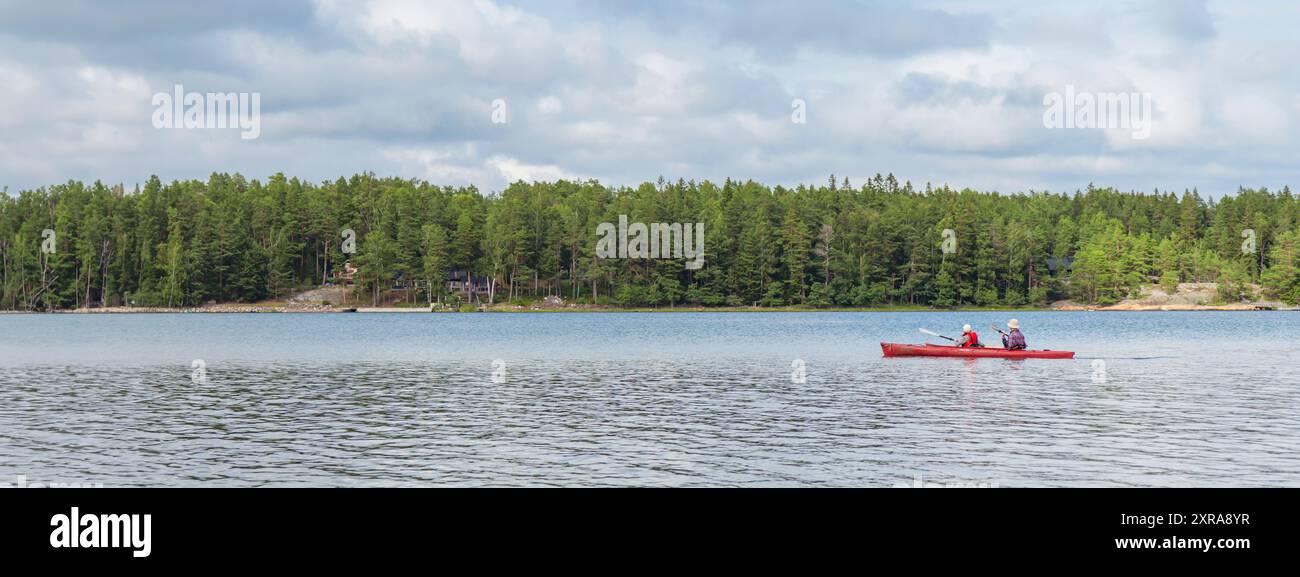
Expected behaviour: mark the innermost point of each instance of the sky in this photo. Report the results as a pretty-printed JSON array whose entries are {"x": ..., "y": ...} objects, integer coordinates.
[{"x": 487, "y": 92}]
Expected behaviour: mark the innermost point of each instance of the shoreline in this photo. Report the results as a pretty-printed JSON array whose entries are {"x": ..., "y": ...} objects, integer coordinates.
[{"x": 324, "y": 309}]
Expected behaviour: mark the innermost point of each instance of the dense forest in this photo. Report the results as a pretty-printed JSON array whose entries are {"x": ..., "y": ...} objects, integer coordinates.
[{"x": 836, "y": 245}]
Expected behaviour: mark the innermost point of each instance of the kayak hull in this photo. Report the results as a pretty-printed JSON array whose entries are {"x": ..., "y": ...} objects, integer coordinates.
[{"x": 928, "y": 350}]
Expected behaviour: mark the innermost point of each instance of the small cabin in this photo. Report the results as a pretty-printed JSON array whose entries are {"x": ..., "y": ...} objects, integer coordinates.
[
  {"x": 463, "y": 282},
  {"x": 347, "y": 274}
]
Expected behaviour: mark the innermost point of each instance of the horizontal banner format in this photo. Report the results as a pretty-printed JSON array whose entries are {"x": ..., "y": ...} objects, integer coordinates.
[{"x": 186, "y": 528}]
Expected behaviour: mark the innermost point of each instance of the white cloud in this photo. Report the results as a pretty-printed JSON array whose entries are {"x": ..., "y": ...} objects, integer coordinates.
[
  {"x": 629, "y": 92},
  {"x": 462, "y": 165},
  {"x": 512, "y": 170},
  {"x": 550, "y": 105}
]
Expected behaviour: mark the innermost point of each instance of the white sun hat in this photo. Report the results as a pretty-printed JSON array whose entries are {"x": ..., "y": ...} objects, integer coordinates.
[
  {"x": 965, "y": 329},
  {"x": 1013, "y": 323}
]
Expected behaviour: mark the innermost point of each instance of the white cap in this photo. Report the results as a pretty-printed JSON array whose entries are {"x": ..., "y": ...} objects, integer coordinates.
[
  {"x": 965, "y": 329},
  {"x": 1013, "y": 323}
]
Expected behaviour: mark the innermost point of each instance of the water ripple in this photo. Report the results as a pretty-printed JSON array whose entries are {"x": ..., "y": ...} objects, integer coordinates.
[{"x": 693, "y": 400}]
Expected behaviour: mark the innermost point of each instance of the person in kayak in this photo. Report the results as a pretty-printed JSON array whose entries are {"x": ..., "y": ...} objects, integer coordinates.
[
  {"x": 1015, "y": 340},
  {"x": 969, "y": 338}
]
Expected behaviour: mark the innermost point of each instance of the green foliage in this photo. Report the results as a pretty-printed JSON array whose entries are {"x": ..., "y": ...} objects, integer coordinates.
[
  {"x": 1233, "y": 283},
  {"x": 1282, "y": 278},
  {"x": 880, "y": 244},
  {"x": 1169, "y": 281},
  {"x": 435, "y": 261}
]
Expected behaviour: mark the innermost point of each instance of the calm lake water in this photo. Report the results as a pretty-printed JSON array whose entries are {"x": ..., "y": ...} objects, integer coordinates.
[{"x": 1154, "y": 399}]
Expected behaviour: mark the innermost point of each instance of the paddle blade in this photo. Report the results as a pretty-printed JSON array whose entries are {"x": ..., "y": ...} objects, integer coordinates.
[{"x": 934, "y": 334}]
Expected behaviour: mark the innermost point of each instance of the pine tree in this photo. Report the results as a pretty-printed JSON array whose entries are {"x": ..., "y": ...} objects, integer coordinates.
[{"x": 435, "y": 259}]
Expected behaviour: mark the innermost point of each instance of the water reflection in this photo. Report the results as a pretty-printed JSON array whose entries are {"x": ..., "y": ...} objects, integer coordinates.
[{"x": 687, "y": 400}]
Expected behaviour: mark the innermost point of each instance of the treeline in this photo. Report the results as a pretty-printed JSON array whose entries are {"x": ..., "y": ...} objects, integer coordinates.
[{"x": 878, "y": 244}]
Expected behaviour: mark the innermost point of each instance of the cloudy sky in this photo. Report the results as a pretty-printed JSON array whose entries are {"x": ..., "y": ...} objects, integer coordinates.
[{"x": 943, "y": 92}]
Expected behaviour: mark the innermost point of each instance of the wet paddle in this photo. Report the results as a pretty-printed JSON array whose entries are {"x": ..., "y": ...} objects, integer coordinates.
[
  {"x": 934, "y": 334},
  {"x": 1005, "y": 336}
]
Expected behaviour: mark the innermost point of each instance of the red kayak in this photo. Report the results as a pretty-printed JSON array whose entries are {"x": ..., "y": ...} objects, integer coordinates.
[{"x": 929, "y": 350}]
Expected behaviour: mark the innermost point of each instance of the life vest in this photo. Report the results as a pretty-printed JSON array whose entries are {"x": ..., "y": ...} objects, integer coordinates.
[{"x": 973, "y": 340}]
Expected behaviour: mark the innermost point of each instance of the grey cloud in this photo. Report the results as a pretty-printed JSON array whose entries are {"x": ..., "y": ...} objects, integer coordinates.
[
  {"x": 1185, "y": 19},
  {"x": 160, "y": 34},
  {"x": 881, "y": 29},
  {"x": 777, "y": 28},
  {"x": 126, "y": 22},
  {"x": 917, "y": 88},
  {"x": 890, "y": 87}
]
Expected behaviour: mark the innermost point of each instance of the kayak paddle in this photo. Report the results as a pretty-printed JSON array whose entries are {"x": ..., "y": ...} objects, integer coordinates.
[
  {"x": 995, "y": 327},
  {"x": 934, "y": 334}
]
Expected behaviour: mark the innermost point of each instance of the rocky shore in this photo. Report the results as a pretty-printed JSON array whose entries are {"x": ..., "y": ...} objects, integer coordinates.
[{"x": 1187, "y": 297}]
